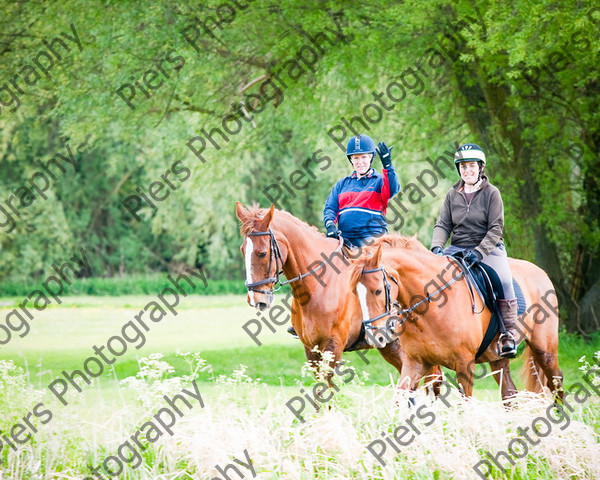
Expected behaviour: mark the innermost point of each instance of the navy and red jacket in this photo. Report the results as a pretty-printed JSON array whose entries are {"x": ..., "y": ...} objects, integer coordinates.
[{"x": 358, "y": 205}]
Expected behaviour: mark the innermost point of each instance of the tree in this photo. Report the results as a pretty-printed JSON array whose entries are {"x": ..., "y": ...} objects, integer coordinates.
[{"x": 147, "y": 86}]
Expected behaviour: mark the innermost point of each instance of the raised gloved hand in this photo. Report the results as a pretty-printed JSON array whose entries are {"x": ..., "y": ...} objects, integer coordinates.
[
  {"x": 332, "y": 231},
  {"x": 437, "y": 250},
  {"x": 472, "y": 257},
  {"x": 385, "y": 154}
]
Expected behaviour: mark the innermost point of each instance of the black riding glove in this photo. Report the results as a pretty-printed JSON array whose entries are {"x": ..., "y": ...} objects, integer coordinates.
[
  {"x": 472, "y": 257},
  {"x": 332, "y": 231},
  {"x": 385, "y": 154},
  {"x": 437, "y": 250}
]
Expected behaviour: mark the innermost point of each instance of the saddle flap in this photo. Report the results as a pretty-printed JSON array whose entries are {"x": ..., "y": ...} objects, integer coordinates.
[{"x": 490, "y": 287}]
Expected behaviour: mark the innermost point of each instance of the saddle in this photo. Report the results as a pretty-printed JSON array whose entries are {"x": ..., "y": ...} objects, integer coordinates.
[
  {"x": 485, "y": 281},
  {"x": 488, "y": 285}
]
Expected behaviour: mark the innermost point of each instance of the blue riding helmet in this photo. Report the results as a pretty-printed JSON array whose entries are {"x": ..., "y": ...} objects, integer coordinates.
[{"x": 360, "y": 144}]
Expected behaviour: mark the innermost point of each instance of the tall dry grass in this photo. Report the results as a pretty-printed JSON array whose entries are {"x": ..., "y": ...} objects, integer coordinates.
[{"x": 242, "y": 414}]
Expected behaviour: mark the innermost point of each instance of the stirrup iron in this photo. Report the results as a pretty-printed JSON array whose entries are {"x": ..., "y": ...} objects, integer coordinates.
[{"x": 510, "y": 349}]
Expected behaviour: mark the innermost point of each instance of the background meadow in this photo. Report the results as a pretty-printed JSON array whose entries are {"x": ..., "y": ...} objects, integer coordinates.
[
  {"x": 518, "y": 78},
  {"x": 245, "y": 389}
]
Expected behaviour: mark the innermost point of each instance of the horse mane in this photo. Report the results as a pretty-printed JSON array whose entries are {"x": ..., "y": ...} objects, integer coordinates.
[
  {"x": 387, "y": 241},
  {"x": 399, "y": 241},
  {"x": 256, "y": 213}
]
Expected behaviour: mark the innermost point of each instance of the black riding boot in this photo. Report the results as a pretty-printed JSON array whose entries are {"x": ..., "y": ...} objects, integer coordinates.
[{"x": 508, "y": 311}]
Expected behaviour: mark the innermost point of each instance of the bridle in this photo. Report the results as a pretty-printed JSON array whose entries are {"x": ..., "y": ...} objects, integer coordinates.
[
  {"x": 400, "y": 315},
  {"x": 391, "y": 307},
  {"x": 274, "y": 254},
  {"x": 275, "y": 257}
]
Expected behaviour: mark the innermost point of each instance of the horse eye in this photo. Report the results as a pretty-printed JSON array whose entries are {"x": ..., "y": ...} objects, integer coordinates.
[
  {"x": 262, "y": 254},
  {"x": 378, "y": 291}
]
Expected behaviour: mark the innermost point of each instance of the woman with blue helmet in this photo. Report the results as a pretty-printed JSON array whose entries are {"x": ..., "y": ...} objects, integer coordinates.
[
  {"x": 357, "y": 203},
  {"x": 473, "y": 217}
]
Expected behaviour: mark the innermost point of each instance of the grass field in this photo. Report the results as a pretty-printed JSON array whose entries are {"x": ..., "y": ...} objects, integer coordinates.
[{"x": 245, "y": 407}]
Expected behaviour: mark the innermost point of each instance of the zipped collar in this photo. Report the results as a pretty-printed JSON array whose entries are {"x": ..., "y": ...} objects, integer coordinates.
[{"x": 371, "y": 173}]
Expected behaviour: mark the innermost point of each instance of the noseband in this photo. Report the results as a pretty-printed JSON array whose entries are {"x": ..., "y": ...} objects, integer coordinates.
[{"x": 391, "y": 307}]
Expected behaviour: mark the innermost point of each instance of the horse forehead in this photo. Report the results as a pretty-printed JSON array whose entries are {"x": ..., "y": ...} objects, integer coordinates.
[
  {"x": 371, "y": 278},
  {"x": 257, "y": 241},
  {"x": 247, "y": 247},
  {"x": 361, "y": 291}
]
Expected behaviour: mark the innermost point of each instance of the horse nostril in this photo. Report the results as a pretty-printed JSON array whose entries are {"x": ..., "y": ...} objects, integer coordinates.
[{"x": 261, "y": 306}]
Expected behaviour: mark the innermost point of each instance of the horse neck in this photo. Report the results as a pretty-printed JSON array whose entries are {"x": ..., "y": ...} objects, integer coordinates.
[
  {"x": 417, "y": 271},
  {"x": 305, "y": 246}
]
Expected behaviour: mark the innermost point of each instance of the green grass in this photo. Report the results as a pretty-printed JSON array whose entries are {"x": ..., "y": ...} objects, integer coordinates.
[
  {"x": 244, "y": 413},
  {"x": 62, "y": 337},
  {"x": 126, "y": 285}
]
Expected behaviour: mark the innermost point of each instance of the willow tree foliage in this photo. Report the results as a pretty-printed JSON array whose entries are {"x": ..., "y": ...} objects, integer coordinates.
[{"x": 144, "y": 79}]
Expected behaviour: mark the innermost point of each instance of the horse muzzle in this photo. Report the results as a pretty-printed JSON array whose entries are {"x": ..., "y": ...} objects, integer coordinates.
[
  {"x": 379, "y": 337},
  {"x": 261, "y": 300}
]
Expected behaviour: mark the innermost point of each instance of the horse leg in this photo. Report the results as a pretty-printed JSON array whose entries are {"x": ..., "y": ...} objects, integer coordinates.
[
  {"x": 465, "y": 376},
  {"x": 501, "y": 369},
  {"x": 410, "y": 375},
  {"x": 436, "y": 379},
  {"x": 391, "y": 354},
  {"x": 313, "y": 358},
  {"x": 548, "y": 362},
  {"x": 336, "y": 347}
]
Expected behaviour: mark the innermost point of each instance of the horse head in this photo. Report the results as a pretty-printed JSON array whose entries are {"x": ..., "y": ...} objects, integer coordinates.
[
  {"x": 377, "y": 290},
  {"x": 264, "y": 256}
]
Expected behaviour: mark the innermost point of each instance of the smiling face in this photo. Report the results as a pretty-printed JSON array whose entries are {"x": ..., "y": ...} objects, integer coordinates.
[
  {"x": 469, "y": 172},
  {"x": 362, "y": 162}
]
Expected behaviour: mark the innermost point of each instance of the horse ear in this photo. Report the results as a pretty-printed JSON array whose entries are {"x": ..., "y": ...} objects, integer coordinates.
[
  {"x": 266, "y": 221},
  {"x": 240, "y": 212},
  {"x": 375, "y": 260}
]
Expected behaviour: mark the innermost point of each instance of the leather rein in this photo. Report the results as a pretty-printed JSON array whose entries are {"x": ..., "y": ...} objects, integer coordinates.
[{"x": 393, "y": 309}]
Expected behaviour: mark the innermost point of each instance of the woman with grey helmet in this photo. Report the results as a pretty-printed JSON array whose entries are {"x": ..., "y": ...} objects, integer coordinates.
[
  {"x": 358, "y": 202},
  {"x": 473, "y": 216}
]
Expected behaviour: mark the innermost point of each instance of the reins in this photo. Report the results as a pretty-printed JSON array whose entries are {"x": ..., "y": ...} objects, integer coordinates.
[
  {"x": 403, "y": 314},
  {"x": 275, "y": 253}
]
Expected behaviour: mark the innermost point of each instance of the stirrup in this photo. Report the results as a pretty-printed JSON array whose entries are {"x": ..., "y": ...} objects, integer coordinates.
[
  {"x": 508, "y": 350},
  {"x": 292, "y": 332}
]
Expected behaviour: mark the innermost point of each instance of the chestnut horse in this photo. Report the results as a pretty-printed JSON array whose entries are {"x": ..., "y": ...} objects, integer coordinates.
[
  {"x": 441, "y": 323},
  {"x": 325, "y": 310}
]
